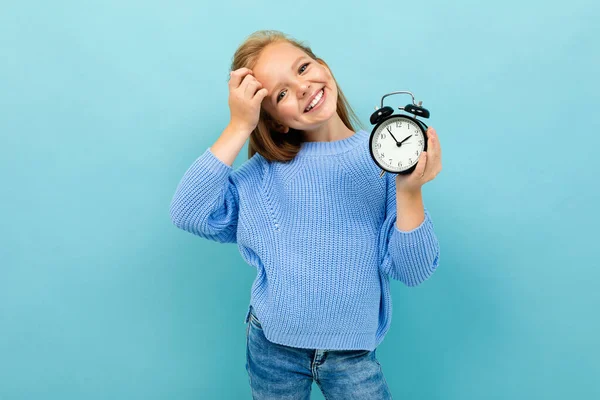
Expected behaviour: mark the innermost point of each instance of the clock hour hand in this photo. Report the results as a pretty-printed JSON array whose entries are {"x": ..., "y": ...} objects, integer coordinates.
[
  {"x": 406, "y": 139},
  {"x": 396, "y": 140}
]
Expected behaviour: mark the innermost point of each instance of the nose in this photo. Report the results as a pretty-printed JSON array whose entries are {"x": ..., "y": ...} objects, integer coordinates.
[{"x": 303, "y": 89}]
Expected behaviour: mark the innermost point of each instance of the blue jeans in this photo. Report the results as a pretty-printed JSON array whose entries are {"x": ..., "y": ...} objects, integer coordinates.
[{"x": 281, "y": 372}]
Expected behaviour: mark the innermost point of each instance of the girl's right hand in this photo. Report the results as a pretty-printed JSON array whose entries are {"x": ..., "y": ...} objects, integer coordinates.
[{"x": 244, "y": 99}]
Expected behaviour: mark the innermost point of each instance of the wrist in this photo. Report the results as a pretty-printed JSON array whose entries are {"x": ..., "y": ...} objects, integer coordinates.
[
  {"x": 408, "y": 193},
  {"x": 239, "y": 128}
]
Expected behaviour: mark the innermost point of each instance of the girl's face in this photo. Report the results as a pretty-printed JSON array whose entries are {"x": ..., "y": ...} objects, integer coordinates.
[{"x": 293, "y": 79}]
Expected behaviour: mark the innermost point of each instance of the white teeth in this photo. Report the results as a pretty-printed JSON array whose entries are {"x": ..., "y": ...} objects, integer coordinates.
[{"x": 315, "y": 101}]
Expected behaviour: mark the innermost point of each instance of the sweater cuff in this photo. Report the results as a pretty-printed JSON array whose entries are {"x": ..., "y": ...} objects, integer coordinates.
[
  {"x": 415, "y": 231},
  {"x": 212, "y": 163},
  {"x": 416, "y": 252}
]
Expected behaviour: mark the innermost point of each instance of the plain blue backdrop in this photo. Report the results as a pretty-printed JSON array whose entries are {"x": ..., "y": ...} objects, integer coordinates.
[{"x": 105, "y": 104}]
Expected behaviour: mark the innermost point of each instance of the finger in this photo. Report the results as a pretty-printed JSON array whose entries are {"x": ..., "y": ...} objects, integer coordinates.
[
  {"x": 431, "y": 133},
  {"x": 237, "y": 76},
  {"x": 430, "y": 150},
  {"x": 251, "y": 85},
  {"x": 248, "y": 79},
  {"x": 431, "y": 146},
  {"x": 434, "y": 164},
  {"x": 260, "y": 95},
  {"x": 421, "y": 164},
  {"x": 430, "y": 168},
  {"x": 435, "y": 144}
]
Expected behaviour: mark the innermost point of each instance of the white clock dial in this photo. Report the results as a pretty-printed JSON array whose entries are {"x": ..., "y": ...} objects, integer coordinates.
[{"x": 384, "y": 144}]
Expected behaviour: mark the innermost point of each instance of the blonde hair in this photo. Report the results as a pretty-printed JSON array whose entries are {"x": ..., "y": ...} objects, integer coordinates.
[{"x": 264, "y": 139}]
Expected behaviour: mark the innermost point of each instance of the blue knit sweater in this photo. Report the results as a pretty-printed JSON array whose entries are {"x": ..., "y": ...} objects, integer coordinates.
[{"x": 320, "y": 231}]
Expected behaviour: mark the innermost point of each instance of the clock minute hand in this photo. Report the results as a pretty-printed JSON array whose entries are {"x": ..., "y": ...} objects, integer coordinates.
[{"x": 396, "y": 140}]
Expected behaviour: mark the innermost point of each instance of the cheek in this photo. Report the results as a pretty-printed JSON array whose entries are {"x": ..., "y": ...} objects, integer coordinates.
[
  {"x": 289, "y": 109},
  {"x": 325, "y": 74}
]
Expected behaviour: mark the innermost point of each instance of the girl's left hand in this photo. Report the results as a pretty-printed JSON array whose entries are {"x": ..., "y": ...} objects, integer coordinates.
[{"x": 429, "y": 165}]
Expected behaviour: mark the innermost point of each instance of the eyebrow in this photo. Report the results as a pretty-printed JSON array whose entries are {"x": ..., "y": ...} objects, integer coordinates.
[{"x": 276, "y": 89}]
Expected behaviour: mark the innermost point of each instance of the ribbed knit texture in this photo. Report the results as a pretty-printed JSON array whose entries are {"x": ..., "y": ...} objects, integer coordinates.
[{"x": 320, "y": 231}]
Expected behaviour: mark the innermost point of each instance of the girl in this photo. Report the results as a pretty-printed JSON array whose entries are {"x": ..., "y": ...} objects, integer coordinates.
[{"x": 309, "y": 211}]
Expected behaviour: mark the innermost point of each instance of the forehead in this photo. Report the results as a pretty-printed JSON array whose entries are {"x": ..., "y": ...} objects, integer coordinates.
[{"x": 275, "y": 62}]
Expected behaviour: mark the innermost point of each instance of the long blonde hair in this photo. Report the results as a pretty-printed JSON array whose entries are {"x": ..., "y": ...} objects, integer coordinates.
[{"x": 266, "y": 141}]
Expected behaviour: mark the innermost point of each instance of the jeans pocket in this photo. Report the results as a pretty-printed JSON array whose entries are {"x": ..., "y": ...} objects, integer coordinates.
[{"x": 254, "y": 320}]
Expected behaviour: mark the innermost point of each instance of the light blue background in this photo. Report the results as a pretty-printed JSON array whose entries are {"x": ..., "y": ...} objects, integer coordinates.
[{"x": 104, "y": 105}]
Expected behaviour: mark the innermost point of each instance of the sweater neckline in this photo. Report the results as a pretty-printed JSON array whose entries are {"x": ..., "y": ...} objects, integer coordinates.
[{"x": 333, "y": 147}]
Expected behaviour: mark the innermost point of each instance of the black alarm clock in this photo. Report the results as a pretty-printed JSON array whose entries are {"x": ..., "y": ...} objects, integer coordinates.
[{"x": 397, "y": 140}]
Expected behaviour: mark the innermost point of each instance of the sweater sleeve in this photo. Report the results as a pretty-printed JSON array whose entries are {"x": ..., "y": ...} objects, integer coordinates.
[
  {"x": 206, "y": 201},
  {"x": 408, "y": 256}
]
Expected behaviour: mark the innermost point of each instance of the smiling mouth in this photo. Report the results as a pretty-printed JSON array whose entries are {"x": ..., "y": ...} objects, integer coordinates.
[{"x": 320, "y": 96}]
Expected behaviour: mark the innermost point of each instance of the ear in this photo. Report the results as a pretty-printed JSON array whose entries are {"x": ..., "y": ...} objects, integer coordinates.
[
  {"x": 282, "y": 129},
  {"x": 279, "y": 127}
]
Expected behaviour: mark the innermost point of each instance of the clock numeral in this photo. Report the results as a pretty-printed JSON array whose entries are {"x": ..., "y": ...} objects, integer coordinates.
[
  {"x": 398, "y": 124},
  {"x": 421, "y": 142},
  {"x": 382, "y": 155},
  {"x": 378, "y": 145},
  {"x": 410, "y": 161},
  {"x": 417, "y": 153},
  {"x": 390, "y": 161},
  {"x": 382, "y": 135}
]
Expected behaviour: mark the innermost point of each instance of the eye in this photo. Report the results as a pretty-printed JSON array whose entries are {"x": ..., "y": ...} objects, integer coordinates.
[
  {"x": 303, "y": 66},
  {"x": 299, "y": 70}
]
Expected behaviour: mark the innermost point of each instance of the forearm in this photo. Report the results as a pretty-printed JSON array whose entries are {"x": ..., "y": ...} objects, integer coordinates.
[
  {"x": 410, "y": 212},
  {"x": 228, "y": 145},
  {"x": 410, "y": 246}
]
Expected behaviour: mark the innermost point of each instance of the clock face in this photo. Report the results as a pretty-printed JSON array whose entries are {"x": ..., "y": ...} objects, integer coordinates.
[{"x": 397, "y": 143}]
